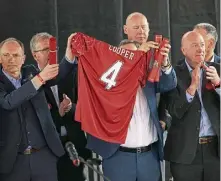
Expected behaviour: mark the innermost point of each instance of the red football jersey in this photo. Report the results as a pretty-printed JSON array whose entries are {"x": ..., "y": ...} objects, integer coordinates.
[{"x": 108, "y": 79}]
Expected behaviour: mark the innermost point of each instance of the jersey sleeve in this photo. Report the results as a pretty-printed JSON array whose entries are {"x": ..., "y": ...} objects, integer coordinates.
[{"x": 81, "y": 44}]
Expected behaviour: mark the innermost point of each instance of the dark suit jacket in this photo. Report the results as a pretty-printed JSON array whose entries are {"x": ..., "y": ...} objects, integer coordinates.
[
  {"x": 11, "y": 118},
  {"x": 163, "y": 112},
  {"x": 167, "y": 82},
  {"x": 162, "y": 108},
  {"x": 182, "y": 138},
  {"x": 74, "y": 132}
]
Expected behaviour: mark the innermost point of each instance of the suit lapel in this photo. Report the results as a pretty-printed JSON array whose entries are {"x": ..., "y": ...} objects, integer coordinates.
[
  {"x": 50, "y": 96},
  {"x": 204, "y": 81},
  {"x": 60, "y": 95},
  {"x": 150, "y": 93},
  {"x": 9, "y": 86},
  {"x": 216, "y": 59},
  {"x": 184, "y": 75},
  {"x": 26, "y": 75}
]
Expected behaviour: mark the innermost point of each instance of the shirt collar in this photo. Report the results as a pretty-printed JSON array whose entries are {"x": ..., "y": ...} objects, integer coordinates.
[
  {"x": 188, "y": 66},
  {"x": 212, "y": 60},
  {"x": 12, "y": 79},
  {"x": 39, "y": 67}
]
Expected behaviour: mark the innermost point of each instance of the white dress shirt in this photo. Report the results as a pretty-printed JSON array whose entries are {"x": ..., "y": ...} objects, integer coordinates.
[
  {"x": 141, "y": 131},
  {"x": 212, "y": 60},
  {"x": 54, "y": 90}
]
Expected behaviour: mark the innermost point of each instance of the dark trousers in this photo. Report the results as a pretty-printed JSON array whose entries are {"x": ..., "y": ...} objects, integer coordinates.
[
  {"x": 125, "y": 166},
  {"x": 38, "y": 166},
  {"x": 205, "y": 166},
  {"x": 67, "y": 171}
]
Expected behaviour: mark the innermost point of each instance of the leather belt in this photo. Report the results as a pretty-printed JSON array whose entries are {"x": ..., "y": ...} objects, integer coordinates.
[
  {"x": 29, "y": 151},
  {"x": 207, "y": 139},
  {"x": 135, "y": 150}
]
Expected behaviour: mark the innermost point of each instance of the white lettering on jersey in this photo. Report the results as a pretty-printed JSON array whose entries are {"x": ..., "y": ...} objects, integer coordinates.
[{"x": 121, "y": 51}]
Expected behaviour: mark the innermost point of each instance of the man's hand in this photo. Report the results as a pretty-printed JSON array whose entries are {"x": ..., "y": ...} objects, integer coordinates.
[
  {"x": 69, "y": 53},
  {"x": 65, "y": 105},
  {"x": 165, "y": 52},
  {"x": 148, "y": 45},
  {"x": 195, "y": 80},
  {"x": 49, "y": 72},
  {"x": 212, "y": 75},
  {"x": 163, "y": 125}
]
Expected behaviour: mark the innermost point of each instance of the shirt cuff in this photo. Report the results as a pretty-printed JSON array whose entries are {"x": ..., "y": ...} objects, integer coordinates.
[
  {"x": 217, "y": 90},
  {"x": 189, "y": 97},
  {"x": 35, "y": 86},
  {"x": 72, "y": 61},
  {"x": 167, "y": 71},
  {"x": 63, "y": 131}
]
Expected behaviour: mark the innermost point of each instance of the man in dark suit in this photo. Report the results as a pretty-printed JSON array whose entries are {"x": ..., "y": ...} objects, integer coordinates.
[
  {"x": 192, "y": 144},
  {"x": 62, "y": 113},
  {"x": 210, "y": 36},
  {"x": 29, "y": 143}
]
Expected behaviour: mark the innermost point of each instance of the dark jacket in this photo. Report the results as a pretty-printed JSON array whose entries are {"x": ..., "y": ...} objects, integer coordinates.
[
  {"x": 74, "y": 132},
  {"x": 11, "y": 118},
  {"x": 183, "y": 136}
]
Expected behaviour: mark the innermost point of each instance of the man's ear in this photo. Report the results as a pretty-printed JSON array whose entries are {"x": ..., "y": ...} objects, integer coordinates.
[
  {"x": 23, "y": 59},
  {"x": 125, "y": 29},
  {"x": 211, "y": 43},
  {"x": 183, "y": 50},
  {"x": 33, "y": 54}
]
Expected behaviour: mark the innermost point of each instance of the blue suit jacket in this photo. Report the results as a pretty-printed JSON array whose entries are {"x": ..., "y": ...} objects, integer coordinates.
[{"x": 167, "y": 82}]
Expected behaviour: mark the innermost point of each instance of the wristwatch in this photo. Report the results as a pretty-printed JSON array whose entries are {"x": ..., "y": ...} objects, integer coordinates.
[{"x": 168, "y": 65}]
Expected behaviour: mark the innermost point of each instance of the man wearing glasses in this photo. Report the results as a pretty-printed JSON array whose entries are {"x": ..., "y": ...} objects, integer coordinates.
[
  {"x": 62, "y": 112},
  {"x": 29, "y": 143}
]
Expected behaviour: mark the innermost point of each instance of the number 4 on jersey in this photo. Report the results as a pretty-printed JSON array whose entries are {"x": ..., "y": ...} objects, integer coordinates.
[{"x": 109, "y": 77}]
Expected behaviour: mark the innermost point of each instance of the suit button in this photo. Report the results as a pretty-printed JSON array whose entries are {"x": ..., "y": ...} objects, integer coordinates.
[
  {"x": 198, "y": 128},
  {"x": 199, "y": 110}
]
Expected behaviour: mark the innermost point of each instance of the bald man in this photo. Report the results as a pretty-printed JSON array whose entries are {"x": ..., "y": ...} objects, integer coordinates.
[
  {"x": 138, "y": 159},
  {"x": 192, "y": 145},
  {"x": 137, "y": 29}
]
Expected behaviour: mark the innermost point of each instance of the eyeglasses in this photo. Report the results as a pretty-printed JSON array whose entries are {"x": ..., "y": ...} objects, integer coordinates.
[
  {"x": 45, "y": 50},
  {"x": 8, "y": 55},
  {"x": 42, "y": 50}
]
